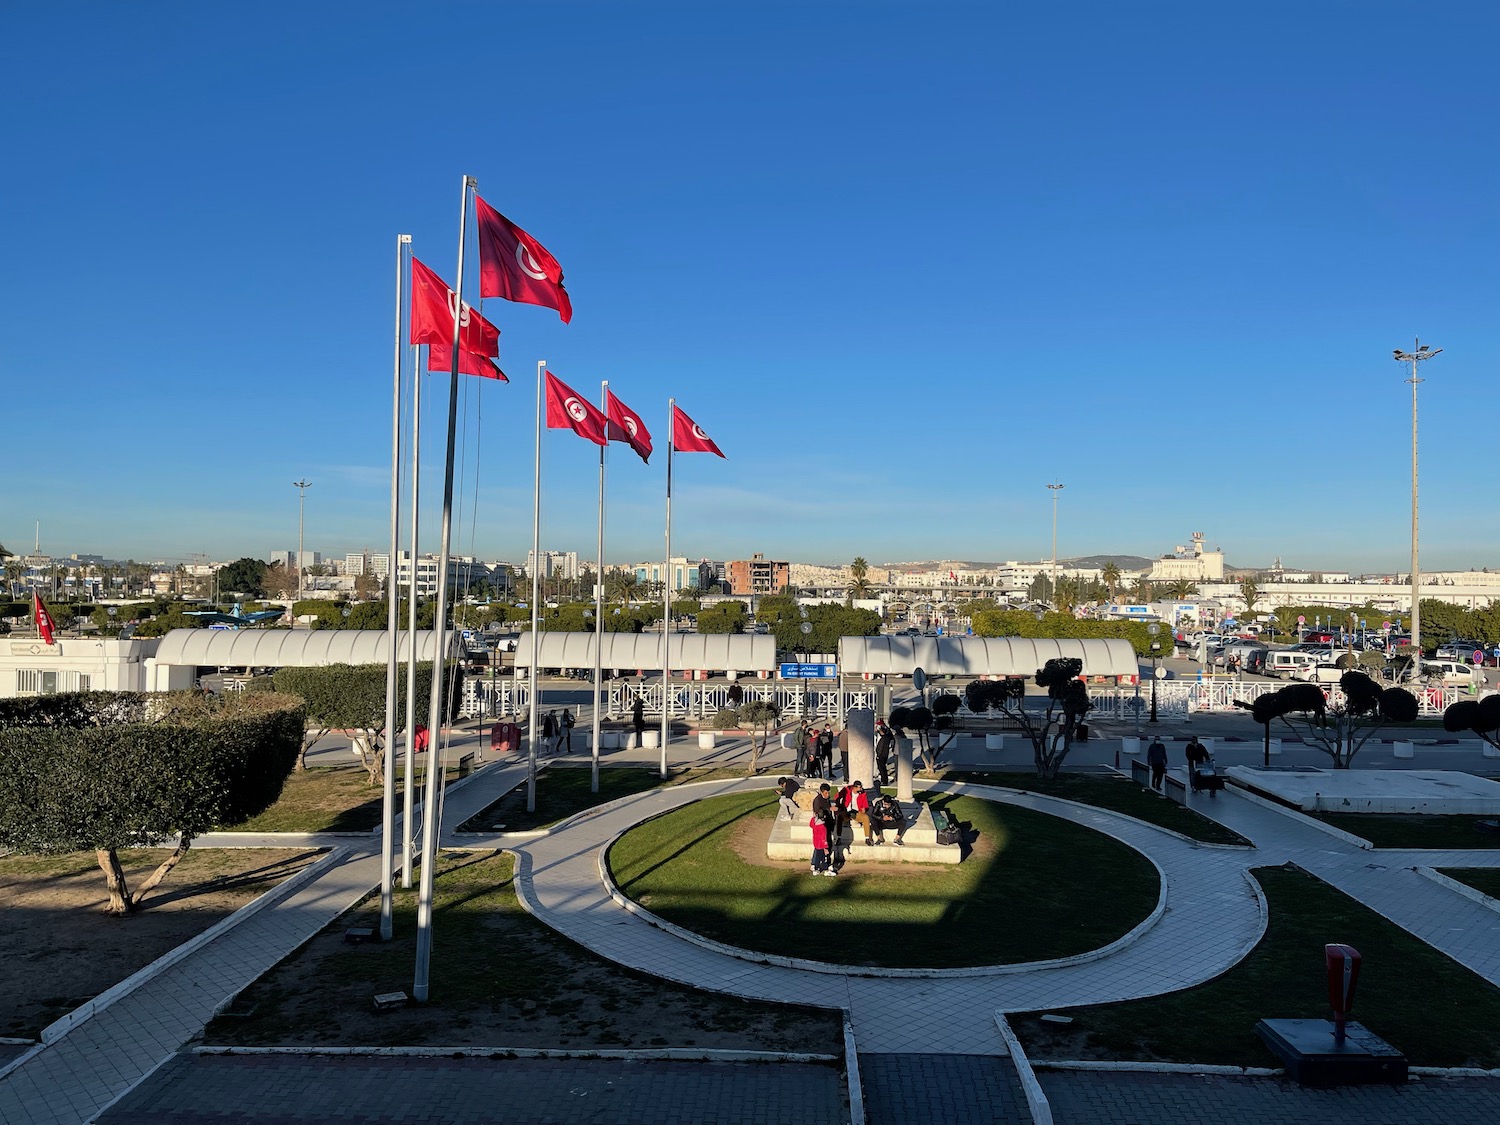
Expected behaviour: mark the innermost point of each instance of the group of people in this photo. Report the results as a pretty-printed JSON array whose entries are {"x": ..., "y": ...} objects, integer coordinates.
[
  {"x": 557, "y": 733},
  {"x": 833, "y": 812},
  {"x": 1198, "y": 761},
  {"x": 814, "y": 748}
]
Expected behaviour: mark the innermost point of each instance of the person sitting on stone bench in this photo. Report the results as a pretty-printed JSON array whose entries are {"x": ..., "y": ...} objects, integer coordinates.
[
  {"x": 887, "y": 813},
  {"x": 856, "y": 808}
]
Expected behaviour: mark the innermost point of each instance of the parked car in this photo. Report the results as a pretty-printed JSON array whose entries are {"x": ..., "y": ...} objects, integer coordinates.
[
  {"x": 1320, "y": 673},
  {"x": 1462, "y": 651},
  {"x": 1288, "y": 662},
  {"x": 1453, "y": 672}
]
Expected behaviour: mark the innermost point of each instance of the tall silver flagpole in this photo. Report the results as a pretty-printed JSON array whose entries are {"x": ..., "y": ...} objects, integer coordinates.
[
  {"x": 599, "y": 593},
  {"x": 432, "y": 828},
  {"x": 666, "y": 598},
  {"x": 536, "y": 566},
  {"x": 408, "y": 800},
  {"x": 392, "y": 624}
]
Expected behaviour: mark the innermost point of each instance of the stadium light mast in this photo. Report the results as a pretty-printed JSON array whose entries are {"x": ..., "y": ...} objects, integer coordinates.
[
  {"x": 301, "y": 486},
  {"x": 1054, "y": 489},
  {"x": 1419, "y": 352}
]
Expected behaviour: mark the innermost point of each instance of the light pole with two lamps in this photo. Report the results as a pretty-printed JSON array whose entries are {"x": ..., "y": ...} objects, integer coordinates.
[
  {"x": 1420, "y": 352},
  {"x": 302, "y": 486}
]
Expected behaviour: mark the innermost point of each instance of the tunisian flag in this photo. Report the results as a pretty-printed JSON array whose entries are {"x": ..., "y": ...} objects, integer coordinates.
[
  {"x": 516, "y": 266},
  {"x": 626, "y": 425},
  {"x": 566, "y": 410},
  {"x": 44, "y": 624},
  {"x": 688, "y": 436},
  {"x": 432, "y": 316},
  {"x": 441, "y": 359}
]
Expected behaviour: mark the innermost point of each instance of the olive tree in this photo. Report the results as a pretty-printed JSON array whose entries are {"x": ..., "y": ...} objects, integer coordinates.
[
  {"x": 1339, "y": 729},
  {"x": 1051, "y": 728},
  {"x": 758, "y": 717},
  {"x": 102, "y": 771}
]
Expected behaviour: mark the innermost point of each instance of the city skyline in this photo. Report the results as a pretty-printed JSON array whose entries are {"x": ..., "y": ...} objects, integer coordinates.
[{"x": 1161, "y": 256}]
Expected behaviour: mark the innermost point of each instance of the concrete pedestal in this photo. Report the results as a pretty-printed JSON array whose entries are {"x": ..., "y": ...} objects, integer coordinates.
[
  {"x": 903, "y": 769},
  {"x": 1314, "y": 1058},
  {"x": 859, "y": 723},
  {"x": 792, "y": 839}
]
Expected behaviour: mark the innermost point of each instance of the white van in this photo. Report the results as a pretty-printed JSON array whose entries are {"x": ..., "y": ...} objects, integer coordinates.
[
  {"x": 1286, "y": 662},
  {"x": 1454, "y": 672}
]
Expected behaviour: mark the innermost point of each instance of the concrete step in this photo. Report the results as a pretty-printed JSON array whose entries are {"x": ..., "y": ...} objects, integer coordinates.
[{"x": 793, "y": 840}]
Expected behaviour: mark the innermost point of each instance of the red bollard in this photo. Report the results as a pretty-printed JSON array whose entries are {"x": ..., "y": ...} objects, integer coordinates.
[{"x": 1342, "y": 964}]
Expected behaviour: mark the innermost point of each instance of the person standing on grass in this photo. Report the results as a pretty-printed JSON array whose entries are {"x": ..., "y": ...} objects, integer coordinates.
[
  {"x": 1156, "y": 758},
  {"x": 820, "y": 846}
]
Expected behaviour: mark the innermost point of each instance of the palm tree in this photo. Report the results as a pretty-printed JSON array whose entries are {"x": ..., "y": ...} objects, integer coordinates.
[
  {"x": 1250, "y": 591},
  {"x": 620, "y": 585},
  {"x": 1144, "y": 590},
  {"x": 1182, "y": 588},
  {"x": 1111, "y": 576}
]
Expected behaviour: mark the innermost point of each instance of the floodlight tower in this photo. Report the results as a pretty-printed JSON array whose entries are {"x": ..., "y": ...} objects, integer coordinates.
[
  {"x": 301, "y": 486},
  {"x": 1054, "y": 489},
  {"x": 1419, "y": 352}
]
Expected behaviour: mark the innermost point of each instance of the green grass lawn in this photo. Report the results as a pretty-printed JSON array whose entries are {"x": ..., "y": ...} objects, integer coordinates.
[
  {"x": 1035, "y": 887},
  {"x": 498, "y": 977},
  {"x": 327, "y": 799},
  {"x": 1117, "y": 794},
  {"x": 1485, "y": 879},
  {"x": 1409, "y": 830},
  {"x": 1425, "y": 1004},
  {"x": 562, "y": 790}
]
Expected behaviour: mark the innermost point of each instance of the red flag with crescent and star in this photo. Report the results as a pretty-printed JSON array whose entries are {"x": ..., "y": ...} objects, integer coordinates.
[
  {"x": 688, "y": 436},
  {"x": 626, "y": 425},
  {"x": 432, "y": 317},
  {"x": 441, "y": 359},
  {"x": 567, "y": 410},
  {"x": 44, "y": 624},
  {"x": 517, "y": 267}
]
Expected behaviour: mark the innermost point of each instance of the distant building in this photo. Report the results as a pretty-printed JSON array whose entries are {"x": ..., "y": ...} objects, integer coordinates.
[
  {"x": 463, "y": 571},
  {"x": 356, "y": 565},
  {"x": 758, "y": 575},
  {"x": 554, "y": 564},
  {"x": 1192, "y": 564},
  {"x": 686, "y": 575}
]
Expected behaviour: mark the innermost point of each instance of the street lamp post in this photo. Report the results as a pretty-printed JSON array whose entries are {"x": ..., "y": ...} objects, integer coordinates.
[
  {"x": 1419, "y": 352},
  {"x": 1154, "y": 629},
  {"x": 1054, "y": 489},
  {"x": 301, "y": 486}
]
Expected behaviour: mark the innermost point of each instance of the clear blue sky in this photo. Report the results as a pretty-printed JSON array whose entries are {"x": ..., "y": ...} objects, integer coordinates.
[{"x": 906, "y": 263}]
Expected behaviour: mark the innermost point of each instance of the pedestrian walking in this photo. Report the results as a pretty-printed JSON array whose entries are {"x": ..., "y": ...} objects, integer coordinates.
[
  {"x": 638, "y": 717},
  {"x": 549, "y": 733},
  {"x": 825, "y": 749},
  {"x": 1156, "y": 758},
  {"x": 567, "y": 730}
]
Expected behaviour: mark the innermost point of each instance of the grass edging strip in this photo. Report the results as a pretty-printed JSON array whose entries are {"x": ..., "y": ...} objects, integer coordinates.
[
  {"x": 781, "y": 960},
  {"x": 685, "y": 1054},
  {"x": 1311, "y": 821},
  {"x": 1036, "y": 1097},
  {"x": 1127, "y": 1067},
  {"x": 856, "y": 1088},
  {"x": 1471, "y": 893}
]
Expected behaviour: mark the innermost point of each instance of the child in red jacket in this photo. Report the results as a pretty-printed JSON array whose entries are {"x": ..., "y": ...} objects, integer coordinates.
[{"x": 820, "y": 847}]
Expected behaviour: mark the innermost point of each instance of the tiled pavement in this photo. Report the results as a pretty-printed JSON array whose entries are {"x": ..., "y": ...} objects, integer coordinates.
[
  {"x": 322, "y": 1090},
  {"x": 1207, "y": 894},
  {"x": 945, "y": 1089},
  {"x": 1094, "y": 1098}
]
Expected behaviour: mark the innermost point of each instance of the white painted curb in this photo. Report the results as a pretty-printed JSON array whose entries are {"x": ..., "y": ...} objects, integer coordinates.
[
  {"x": 851, "y": 1074},
  {"x": 1036, "y": 1097},
  {"x": 1471, "y": 893},
  {"x": 1123, "y": 1067},
  {"x": 703, "y": 1054}
]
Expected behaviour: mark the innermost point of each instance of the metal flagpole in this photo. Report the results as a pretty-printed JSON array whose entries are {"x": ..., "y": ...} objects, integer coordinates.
[
  {"x": 666, "y": 617},
  {"x": 599, "y": 596},
  {"x": 431, "y": 828},
  {"x": 536, "y": 566},
  {"x": 392, "y": 626},
  {"x": 408, "y": 798}
]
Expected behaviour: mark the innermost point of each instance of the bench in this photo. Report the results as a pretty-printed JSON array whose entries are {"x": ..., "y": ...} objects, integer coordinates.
[{"x": 385, "y": 1001}]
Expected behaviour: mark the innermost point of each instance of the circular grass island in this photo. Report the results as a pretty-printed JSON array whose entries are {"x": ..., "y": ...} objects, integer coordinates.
[{"x": 1035, "y": 887}]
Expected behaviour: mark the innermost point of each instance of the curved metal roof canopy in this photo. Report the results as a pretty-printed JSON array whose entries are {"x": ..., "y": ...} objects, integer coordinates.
[
  {"x": 718, "y": 652},
  {"x": 289, "y": 648},
  {"x": 982, "y": 656}
]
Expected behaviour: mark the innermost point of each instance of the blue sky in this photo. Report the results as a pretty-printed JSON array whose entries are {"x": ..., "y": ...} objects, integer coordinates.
[{"x": 904, "y": 263}]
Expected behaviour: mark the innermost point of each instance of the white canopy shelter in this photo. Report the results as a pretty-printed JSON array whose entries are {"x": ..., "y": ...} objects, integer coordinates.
[
  {"x": 718, "y": 652},
  {"x": 288, "y": 648},
  {"x": 981, "y": 656}
]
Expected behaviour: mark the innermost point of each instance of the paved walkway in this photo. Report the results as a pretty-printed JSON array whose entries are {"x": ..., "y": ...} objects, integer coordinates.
[{"x": 1212, "y": 916}]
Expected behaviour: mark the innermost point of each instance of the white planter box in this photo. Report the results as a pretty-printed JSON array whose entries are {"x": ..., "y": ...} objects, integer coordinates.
[
  {"x": 994, "y": 742},
  {"x": 1275, "y": 747},
  {"x": 1130, "y": 747},
  {"x": 706, "y": 739},
  {"x": 651, "y": 739},
  {"x": 1404, "y": 750}
]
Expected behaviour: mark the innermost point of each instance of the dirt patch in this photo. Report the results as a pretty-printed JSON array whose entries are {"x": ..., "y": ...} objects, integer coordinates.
[
  {"x": 499, "y": 978},
  {"x": 58, "y": 949}
]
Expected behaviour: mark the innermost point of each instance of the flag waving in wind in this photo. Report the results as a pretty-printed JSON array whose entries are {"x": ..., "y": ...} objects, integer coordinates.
[
  {"x": 517, "y": 267},
  {"x": 626, "y": 425},
  {"x": 441, "y": 359},
  {"x": 44, "y": 625},
  {"x": 567, "y": 410},
  {"x": 432, "y": 317},
  {"x": 688, "y": 436}
]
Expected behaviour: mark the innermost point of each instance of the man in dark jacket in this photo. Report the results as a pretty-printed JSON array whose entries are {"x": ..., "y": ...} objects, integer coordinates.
[
  {"x": 885, "y": 742},
  {"x": 886, "y": 813}
]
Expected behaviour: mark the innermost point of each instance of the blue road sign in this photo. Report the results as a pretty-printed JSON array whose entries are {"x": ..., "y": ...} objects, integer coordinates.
[{"x": 809, "y": 671}]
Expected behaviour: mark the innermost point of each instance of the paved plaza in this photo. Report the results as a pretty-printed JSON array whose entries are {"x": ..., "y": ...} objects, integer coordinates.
[{"x": 929, "y": 1047}]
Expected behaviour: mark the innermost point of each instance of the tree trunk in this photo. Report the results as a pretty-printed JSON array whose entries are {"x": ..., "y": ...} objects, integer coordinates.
[
  {"x": 114, "y": 879},
  {"x": 161, "y": 872}
]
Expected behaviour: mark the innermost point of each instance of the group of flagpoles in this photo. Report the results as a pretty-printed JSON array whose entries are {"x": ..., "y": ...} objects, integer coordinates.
[
  {"x": 666, "y": 598},
  {"x": 393, "y": 614},
  {"x": 532, "y": 730},
  {"x": 408, "y": 788},
  {"x": 433, "y": 825},
  {"x": 599, "y": 600}
]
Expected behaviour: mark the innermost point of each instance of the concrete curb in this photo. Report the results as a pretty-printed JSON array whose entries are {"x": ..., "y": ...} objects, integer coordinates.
[
  {"x": 851, "y": 1073},
  {"x": 60, "y": 1027},
  {"x": 1162, "y": 828},
  {"x": 1296, "y": 814},
  {"x": 1036, "y": 1097},
  {"x": 1123, "y": 1067},
  {"x": 107, "y": 1106},
  {"x": 1470, "y": 893},
  {"x": 827, "y": 968},
  {"x": 703, "y": 1054}
]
